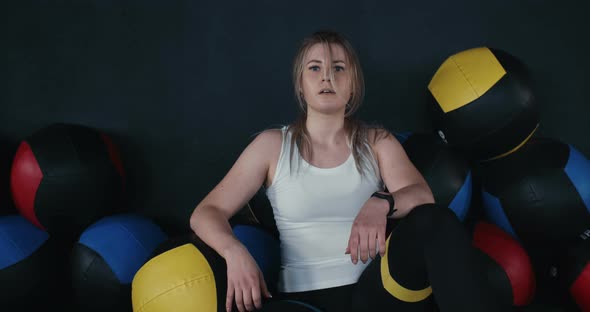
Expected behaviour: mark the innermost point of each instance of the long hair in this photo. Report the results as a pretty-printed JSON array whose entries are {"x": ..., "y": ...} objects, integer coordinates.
[{"x": 357, "y": 132}]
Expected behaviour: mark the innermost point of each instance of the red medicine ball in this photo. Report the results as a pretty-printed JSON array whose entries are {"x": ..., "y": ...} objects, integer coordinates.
[
  {"x": 574, "y": 269},
  {"x": 65, "y": 177},
  {"x": 509, "y": 268}
]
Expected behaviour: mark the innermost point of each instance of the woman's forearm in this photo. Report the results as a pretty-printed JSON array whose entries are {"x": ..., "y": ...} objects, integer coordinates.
[
  {"x": 214, "y": 229},
  {"x": 411, "y": 196}
]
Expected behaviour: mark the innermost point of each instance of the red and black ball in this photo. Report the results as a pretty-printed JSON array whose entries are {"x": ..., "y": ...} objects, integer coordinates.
[
  {"x": 508, "y": 267},
  {"x": 574, "y": 273},
  {"x": 64, "y": 177}
]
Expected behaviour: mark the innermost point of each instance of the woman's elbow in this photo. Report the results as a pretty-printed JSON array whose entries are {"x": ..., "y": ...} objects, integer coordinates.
[
  {"x": 423, "y": 195},
  {"x": 428, "y": 196},
  {"x": 194, "y": 218}
]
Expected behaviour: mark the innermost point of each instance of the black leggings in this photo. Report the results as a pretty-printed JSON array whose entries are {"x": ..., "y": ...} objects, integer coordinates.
[
  {"x": 430, "y": 257},
  {"x": 328, "y": 299}
]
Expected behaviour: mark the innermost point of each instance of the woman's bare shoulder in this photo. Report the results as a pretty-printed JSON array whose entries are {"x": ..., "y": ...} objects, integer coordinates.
[
  {"x": 268, "y": 141},
  {"x": 377, "y": 135},
  {"x": 269, "y": 137}
]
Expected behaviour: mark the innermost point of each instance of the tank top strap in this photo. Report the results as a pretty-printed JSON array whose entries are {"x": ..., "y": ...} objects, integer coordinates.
[{"x": 283, "y": 162}]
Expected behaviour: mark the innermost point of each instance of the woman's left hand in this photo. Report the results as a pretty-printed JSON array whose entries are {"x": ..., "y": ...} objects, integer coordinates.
[{"x": 368, "y": 231}]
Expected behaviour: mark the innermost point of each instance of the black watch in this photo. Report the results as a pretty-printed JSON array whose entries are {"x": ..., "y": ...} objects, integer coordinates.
[{"x": 389, "y": 198}]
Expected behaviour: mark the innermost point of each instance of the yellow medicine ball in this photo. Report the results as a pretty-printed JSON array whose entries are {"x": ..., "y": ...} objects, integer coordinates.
[
  {"x": 183, "y": 278},
  {"x": 482, "y": 103}
]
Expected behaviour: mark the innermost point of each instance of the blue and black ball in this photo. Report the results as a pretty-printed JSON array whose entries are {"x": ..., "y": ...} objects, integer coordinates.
[
  {"x": 106, "y": 258},
  {"x": 29, "y": 265},
  {"x": 539, "y": 194},
  {"x": 447, "y": 172}
]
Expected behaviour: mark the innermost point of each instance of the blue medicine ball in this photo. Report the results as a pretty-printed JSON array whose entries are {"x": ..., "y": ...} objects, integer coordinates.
[
  {"x": 445, "y": 170},
  {"x": 540, "y": 194},
  {"x": 264, "y": 248},
  {"x": 106, "y": 258},
  {"x": 27, "y": 263}
]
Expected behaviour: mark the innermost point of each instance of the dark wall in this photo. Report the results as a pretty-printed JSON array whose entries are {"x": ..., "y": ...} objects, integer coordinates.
[{"x": 184, "y": 85}]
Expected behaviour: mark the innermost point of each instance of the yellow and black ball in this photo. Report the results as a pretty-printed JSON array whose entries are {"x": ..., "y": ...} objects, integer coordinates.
[
  {"x": 482, "y": 103},
  {"x": 185, "y": 274}
]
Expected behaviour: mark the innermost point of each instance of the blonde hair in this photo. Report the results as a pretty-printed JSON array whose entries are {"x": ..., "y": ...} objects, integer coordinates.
[{"x": 357, "y": 131}]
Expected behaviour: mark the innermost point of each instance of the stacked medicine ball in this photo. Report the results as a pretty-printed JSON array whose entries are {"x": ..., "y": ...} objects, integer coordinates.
[
  {"x": 485, "y": 119},
  {"x": 526, "y": 197},
  {"x": 185, "y": 274},
  {"x": 65, "y": 177},
  {"x": 535, "y": 189},
  {"x": 449, "y": 174},
  {"x": 67, "y": 239}
]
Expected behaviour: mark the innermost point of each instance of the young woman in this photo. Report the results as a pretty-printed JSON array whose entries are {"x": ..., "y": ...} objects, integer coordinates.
[{"x": 333, "y": 182}]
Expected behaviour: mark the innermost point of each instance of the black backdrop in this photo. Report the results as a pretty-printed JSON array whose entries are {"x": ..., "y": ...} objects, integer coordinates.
[{"x": 182, "y": 86}]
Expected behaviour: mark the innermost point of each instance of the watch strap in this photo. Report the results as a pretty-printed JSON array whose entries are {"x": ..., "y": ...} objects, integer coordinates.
[{"x": 389, "y": 199}]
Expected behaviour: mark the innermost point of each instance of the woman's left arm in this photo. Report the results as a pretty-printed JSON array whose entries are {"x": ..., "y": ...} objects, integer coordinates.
[
  {"x": 402, "y": 179},
  {"x": 408, "y": 188}
]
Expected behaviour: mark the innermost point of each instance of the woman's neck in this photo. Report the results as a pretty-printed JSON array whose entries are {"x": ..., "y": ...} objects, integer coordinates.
[{"x": 326, "y": 130}]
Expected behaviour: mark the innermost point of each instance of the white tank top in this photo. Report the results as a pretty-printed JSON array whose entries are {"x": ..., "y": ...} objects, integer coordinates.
[{"x": 314, "y": 209}]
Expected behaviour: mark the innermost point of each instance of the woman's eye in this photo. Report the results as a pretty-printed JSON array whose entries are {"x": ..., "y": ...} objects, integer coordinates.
[
  {"x": 314, "y": 68},
  {"x": 338, "y": 68}
]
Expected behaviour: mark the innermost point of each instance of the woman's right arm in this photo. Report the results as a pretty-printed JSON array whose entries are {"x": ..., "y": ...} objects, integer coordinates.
[{"x": 209, "y": 219}]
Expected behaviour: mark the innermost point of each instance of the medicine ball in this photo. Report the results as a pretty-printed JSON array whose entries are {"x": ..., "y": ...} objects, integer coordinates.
[
  {"x": 257, "y": 212},
  {"x": 447, "y": 172},
  {"x": 6, "y": 153},
  {"x": 482, "y": 102},
  {"x": 28, "y": 265},
  {"x": 185, "y": 274},
  {"x": 64, "y": 177},
  {"x": 539, "y": 194},
  {"x": 106, "y": 258},
  {"x": 508, "y": 266},
  {"x": 574, "y": 273}
]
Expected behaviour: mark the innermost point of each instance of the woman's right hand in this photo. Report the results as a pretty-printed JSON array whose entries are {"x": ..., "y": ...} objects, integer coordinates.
[{"x": 245, "y": 282}]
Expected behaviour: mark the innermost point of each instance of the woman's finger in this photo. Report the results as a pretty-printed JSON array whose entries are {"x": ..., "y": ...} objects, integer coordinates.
[
  {"x": 353, "y": 243},
  {"x": 247, "y": 298},
  {"x": 364, "y": 244},
  {"x": 229, "y": 299},
  {"x": 372, "y": 244},
  {"x": 239, "y": 294},
  {"x": 265, "y": 291},
  {"x": 256, "y": 297},
  {"x": 381, "y": 240}
]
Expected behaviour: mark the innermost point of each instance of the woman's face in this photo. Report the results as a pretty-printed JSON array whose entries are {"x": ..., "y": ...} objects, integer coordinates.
[{"x": 321, "y": 94}]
